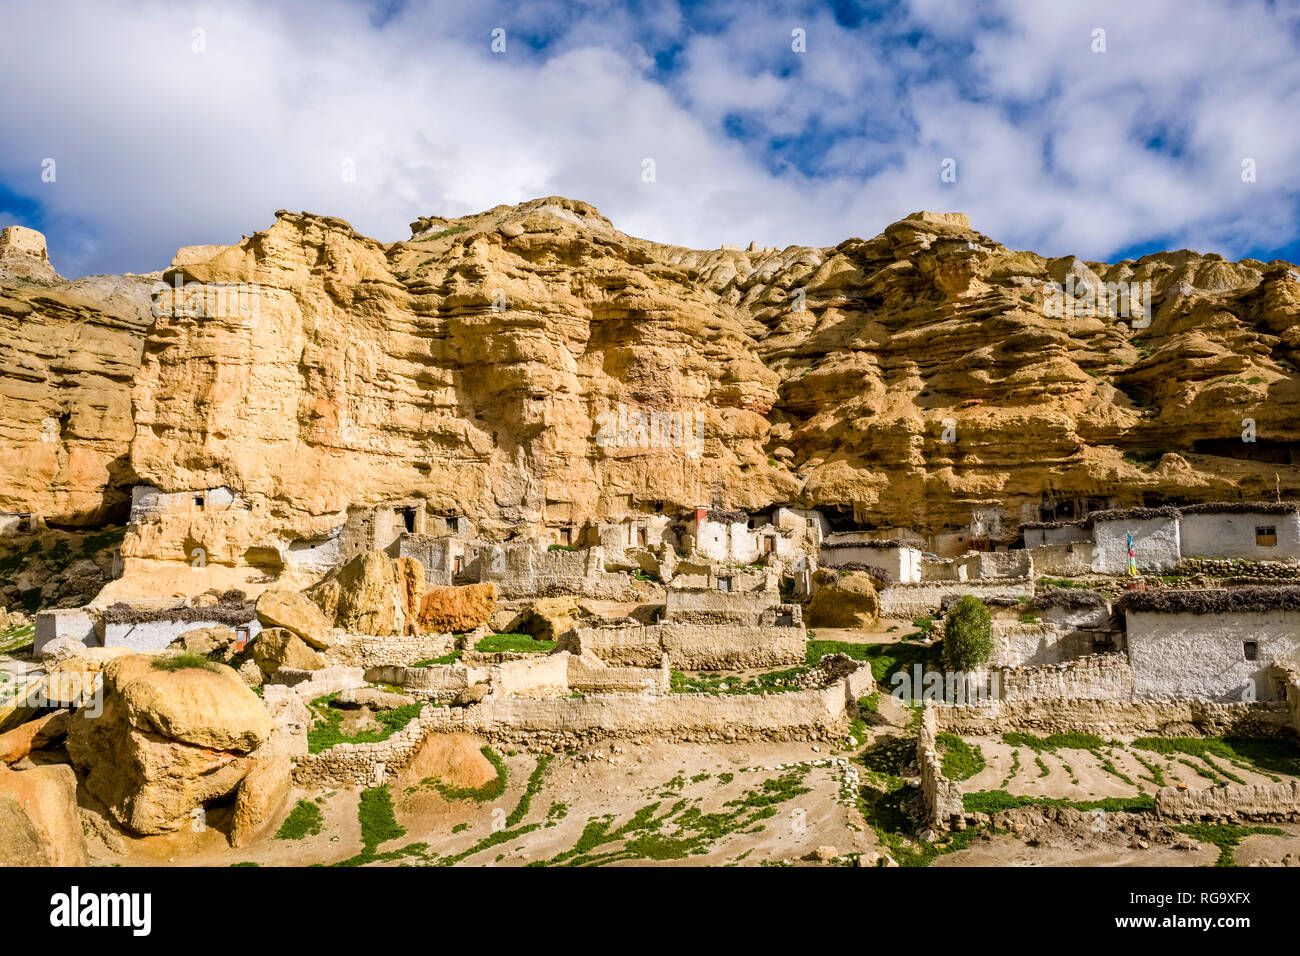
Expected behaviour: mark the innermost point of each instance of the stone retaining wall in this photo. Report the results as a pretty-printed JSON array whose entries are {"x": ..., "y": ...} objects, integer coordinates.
[
  {"x": 561, "y": 723},
  {"x": 364, "y": 650},
  {"x": 1096, "y": 677},
  {"x": 693, "y": 646},
  {"x": 1173, "y": 718},
  {"x": 910, "y": 601},
  {"x": 1235, "y": 803},
  {"x": 941, "y": 798}
]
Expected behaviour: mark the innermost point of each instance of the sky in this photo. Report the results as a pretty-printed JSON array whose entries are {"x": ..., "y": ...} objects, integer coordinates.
[{"x": 1108, "y": 129}]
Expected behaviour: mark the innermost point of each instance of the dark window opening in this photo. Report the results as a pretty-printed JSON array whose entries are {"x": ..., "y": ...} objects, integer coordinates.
[
  {"x": 724, "y": 584},
  {"x": 566, "y": 536},
  {"x": 1266, "y": 536},
  {"x": 408, "y": 518},
  {"x": 198, "y": 501},
  {"x": 1251, "y": 649},
  {"x": 453, "y": 525}
]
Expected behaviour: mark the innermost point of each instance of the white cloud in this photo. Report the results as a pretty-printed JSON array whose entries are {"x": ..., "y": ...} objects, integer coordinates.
[{"x": 159, "y": 146}]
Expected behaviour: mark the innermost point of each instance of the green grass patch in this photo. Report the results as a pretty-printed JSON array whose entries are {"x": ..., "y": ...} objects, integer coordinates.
[
  {"x": 959, "y": 760},
  {"x": 1265, "y": 755},
  {"x": 304, "y": 820},
  {"x": 451, "y": 658},
  {"x": 1225, "y": 836},
  {"x": 326, "y": 731},
  {"x": 993, "y": 801},
  {"x": 181, "y": 661},
  {"x": 517, "y": 643}
]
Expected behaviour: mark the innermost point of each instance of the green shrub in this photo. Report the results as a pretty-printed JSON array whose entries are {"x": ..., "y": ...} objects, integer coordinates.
[{"x": 968, "y": 634}]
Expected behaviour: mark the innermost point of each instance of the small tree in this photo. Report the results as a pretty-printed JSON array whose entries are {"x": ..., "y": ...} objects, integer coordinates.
[{"x": 967, "y": 634}]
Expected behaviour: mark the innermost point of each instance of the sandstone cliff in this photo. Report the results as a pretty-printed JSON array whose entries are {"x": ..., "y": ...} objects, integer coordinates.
[{"x": 495, "y": 365}]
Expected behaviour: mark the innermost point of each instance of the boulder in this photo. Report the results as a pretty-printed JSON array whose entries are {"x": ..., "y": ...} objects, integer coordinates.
[
  {"x": 34, "y": 735},
  {"x": 165, "y": 742},
  {"x": 457, "y": 610},
  {"x": 262, "y": 795},
  {"x": 361, "y": 596},
  {"x": 410, "y": 589},
  {"x": 39, "y": 821},
  {"x": 548, "y": 618},
  {"x": 217, "y": 643},
  {"x": 294, "y": 612},
  {"x": 60, "y": 648},
  {"x": 471, "y": 695},
  {"x": 456, "y": 760},
  {"x": 842, "y": 600},
  {"x": 372, "y": 697},
  {"x": 277, "y": 647},
  {"x": 203, "y": 706}
]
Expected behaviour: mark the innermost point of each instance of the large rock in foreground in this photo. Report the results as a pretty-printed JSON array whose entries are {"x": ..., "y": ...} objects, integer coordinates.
[
  {"x": 39, "y": 823},
  {"x": 294, "y": 612},
  {"x": 167, "y": 741}
]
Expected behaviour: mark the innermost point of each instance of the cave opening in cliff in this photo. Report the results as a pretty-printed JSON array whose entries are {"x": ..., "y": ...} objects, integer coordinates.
[{"x": 1264, "y": 450}]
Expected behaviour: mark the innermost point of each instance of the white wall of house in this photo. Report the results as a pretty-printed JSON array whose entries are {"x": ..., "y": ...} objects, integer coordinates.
[
  {"x": 901, "y": 562},
  {"x": 735, "y": 542},
  {"x": 156, "y": 635},
  {"x": 1155, "y": 545},
  {"x": 64, "y": 622},
  {"x": 1204, "y": 655},
  {"x": 1233, "y": 536}
]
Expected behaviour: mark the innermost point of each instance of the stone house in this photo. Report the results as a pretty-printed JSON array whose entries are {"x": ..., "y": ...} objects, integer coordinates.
[
  {"x": 1156, "y": 539},
  {"x": 1213, "y": 644},
  {"x": 900, "y": 562},
  {"x": 1252, "y": 531}
]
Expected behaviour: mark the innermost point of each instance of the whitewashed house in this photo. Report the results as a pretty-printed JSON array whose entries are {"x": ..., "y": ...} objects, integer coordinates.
[
  {"x": 901, "y": 562},
  {"x": 1211, "y": 644},
  {"x": 1249, "y": 530},
  {"x": 1156, "y": 540}
]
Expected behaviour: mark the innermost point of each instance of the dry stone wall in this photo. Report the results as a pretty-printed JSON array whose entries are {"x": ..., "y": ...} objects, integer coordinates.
[
  {"x": 1235, "y": 803},
  {"x": 1116, "y": 718},
  {"x": 694, "y": 646}
]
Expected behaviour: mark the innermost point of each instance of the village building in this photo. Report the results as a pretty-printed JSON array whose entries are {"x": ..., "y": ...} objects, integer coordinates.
[
  {"x": 1156, "y": 540},
  {"x": 1251, "y": 531},
  {"x": 900, "y": 562},
  {"x": 1214, "y": 644}
]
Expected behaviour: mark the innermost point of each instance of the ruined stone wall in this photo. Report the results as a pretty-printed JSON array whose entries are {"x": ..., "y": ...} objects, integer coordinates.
[
  {"x": 539, "y": 675},
  {"x": 941, "y": 798},
  {"x": 1095, "y": 677},
  {"x": 1234, "y": 803},
  {"x": 1063, "y": 559},
  {"x": 361, "y": 650},
  {"x": 695, "y": 646},
  {"x": 910, "y": 601},
  {"x": 559, "y": 723},
  {"x": 716, "y": 607},
  {"x": 1044, "y": 716},
  {"x": 587, "y": 679}
]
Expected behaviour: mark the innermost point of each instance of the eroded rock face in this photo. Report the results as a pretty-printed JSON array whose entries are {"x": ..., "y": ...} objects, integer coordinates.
[
  {"x": 39, "y": 824},
  {"x": 362, "y": 596},
  {"x": 457, "y": 610},
  {"x": 496, "y": 368},
  {"x": 69, "y": 354},
  {"x": 166, "y": 741}
]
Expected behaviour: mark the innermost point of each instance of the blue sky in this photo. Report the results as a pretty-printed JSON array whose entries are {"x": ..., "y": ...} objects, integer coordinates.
[{"x": 1099, "y": 129}]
